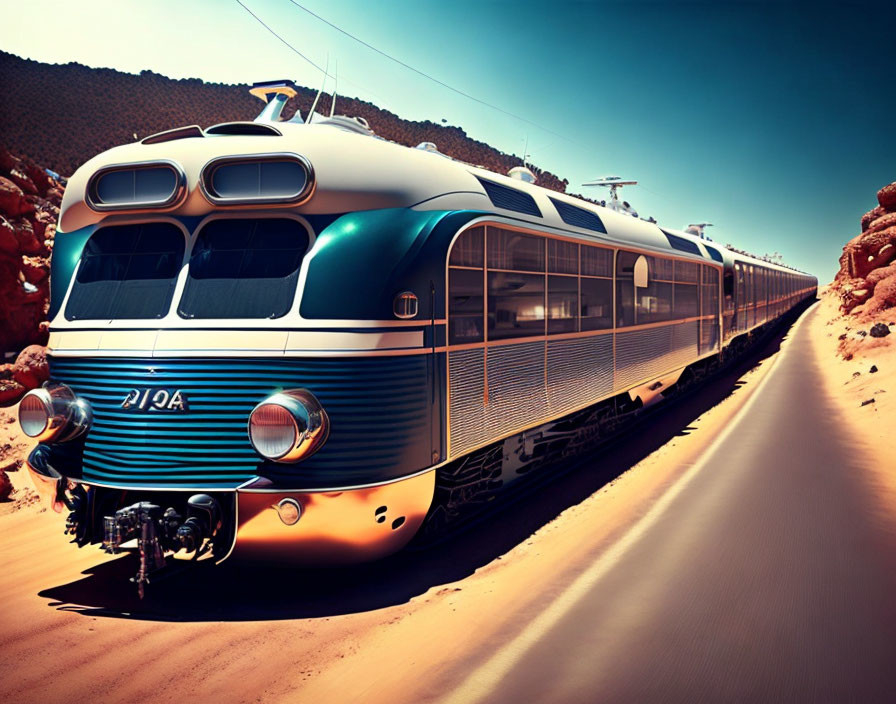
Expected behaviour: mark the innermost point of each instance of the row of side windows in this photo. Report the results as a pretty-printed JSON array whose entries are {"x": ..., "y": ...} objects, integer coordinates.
[{"x": 506, "y": 284}]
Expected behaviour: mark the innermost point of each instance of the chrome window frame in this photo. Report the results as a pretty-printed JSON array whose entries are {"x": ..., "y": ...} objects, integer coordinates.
[
  {"x": 299, "y": 198},
  {"x": 175, "y": 199}
]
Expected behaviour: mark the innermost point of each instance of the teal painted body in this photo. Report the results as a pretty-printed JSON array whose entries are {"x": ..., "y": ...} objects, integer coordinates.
[{"x": 387, "y": 413}]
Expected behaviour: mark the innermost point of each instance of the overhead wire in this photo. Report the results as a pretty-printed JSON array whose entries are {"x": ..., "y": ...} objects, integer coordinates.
[
  {"x": 295, "y": 50},
  {"x": 400, "y": 63}
]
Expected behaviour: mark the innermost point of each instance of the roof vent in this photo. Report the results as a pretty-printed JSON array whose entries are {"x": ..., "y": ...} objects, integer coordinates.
[
  {"x": 578, "y": 217},
  {"x": 244, "y": 128},
  {"x": 682, "y": 244},
  {"x": 510, "y": 198}
]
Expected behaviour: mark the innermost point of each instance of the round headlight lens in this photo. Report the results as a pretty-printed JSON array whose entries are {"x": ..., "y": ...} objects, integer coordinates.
[
  {"x": 272, "y": 430},
  {"x": 34, "y": 413}
]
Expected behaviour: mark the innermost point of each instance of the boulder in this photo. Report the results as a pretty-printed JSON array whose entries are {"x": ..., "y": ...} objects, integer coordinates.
[
  {"x": 31, "y": 368},
  {"x": 38, "y": 176},
  {"x": 879, "y": 330},
  {"x": 5, "y": 486},
  {"x": 9, "y": 243},
  {"x": 878, "y": 275},
  {"x": 29, "y": 243},
  {"x": 884, "y": 297},
  {"x": 35, "y": 269},
  {"x": 10, "y": 391},
  {"x": 12, "y": 199},
  {"x": 868, "y": 252},
  {"x": 871, "y": 216},
  {"x": 20, "y": 178},
  {"x": 886, "y": 196},
  {"x": 881, "y": 223},
  {"x": 40, "y": 221}
]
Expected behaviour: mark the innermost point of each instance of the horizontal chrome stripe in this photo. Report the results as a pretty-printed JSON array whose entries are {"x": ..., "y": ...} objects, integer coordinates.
[{"x": 157, "y": 343}]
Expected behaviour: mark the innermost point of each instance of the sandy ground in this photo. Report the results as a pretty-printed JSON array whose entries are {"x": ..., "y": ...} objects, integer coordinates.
[
  {"x": 396, "y": 631},
  {"x": 847, "y": 357}
]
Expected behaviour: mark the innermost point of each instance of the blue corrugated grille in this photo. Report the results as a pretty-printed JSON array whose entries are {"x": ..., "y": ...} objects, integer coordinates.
[
  {"x": 578, "y": 217},
  {"x": 510, "y": 198},
  {"x": 378, "y": 408}
]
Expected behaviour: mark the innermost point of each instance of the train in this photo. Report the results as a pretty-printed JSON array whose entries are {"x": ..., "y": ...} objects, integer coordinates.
[{"x": 295, "y": 341}]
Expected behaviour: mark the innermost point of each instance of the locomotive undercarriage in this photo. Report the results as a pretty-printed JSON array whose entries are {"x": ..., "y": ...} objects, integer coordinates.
[
  {"x": 157, "y": 525},
  {"x": 467, "y": 485}
]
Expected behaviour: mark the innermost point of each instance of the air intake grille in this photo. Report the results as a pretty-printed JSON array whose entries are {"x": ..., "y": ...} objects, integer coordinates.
[
  {"x": 510, "y": 198},
  {"x": 578, "y": 217},
  {"x": 378, "y": 409}
]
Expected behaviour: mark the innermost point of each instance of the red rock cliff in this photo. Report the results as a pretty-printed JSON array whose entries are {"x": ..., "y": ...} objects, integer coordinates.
[{"x": 866, "y": 281}]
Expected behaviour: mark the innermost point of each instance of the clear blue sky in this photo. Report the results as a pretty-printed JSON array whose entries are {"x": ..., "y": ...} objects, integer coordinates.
[{"x": 775, "y": 121}]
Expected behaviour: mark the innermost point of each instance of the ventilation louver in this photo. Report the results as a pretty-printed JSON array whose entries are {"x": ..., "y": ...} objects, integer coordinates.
[
  {"x": 578, "y": 217},
  {"x": 510, "y": 198},
  {"x": 682, "y": 245}
]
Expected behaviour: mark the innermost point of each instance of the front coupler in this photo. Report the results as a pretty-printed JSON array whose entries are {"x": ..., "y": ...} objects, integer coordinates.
[{"x": 158, "y": 531}]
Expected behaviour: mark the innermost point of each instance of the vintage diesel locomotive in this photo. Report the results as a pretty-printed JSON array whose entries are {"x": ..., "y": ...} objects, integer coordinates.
[{"x": 294, "y": 340}]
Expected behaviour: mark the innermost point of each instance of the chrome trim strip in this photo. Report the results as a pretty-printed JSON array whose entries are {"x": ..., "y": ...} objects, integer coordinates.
[{"x": 241, "y": 487}]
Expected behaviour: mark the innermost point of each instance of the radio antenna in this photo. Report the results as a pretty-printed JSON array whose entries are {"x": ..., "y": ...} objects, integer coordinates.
[
  {"x": 614, "y": 183},
  {"x": 335, "y": 88},
  {"x": 319, "y": 91}
]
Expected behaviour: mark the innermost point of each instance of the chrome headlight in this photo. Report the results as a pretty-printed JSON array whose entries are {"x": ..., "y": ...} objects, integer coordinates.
[
  {"x": 289, "y": 426},
  {"x": 53, "y": 413}
]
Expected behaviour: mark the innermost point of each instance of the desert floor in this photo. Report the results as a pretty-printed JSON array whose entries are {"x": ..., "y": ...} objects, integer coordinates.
[{"x": 496, "y": 612}]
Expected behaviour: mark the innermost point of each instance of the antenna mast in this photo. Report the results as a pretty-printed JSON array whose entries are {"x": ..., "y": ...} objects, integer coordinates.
[
  {"x": 698, "y": 229},
  {"x": 335, "y": 87},
  {"x": 614, "y": 183},
  {"x": 319, "y": 91}
]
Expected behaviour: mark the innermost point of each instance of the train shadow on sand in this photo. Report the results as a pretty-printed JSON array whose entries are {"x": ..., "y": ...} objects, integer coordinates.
[{"x": 235, "y": 592}]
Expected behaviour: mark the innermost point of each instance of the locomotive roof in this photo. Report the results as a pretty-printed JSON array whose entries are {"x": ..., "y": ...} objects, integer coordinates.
[{"x": 358, "y": 172}]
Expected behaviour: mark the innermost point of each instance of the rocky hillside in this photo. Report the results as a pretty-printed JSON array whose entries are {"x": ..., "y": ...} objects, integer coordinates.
[
  {"x": 866, "y": 281},
  {"x": 29, "y": 208},
  {"x": 65, "y": 114}
]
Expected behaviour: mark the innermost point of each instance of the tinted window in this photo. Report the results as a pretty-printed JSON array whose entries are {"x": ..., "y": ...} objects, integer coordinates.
[
  {"x": 515, "y": 305},
  {"x": 597, "y": 304},
  {"x": 625, "y": 288},
  {"x": 563, "y": 257},
  {"x": 244, "y": 269},
  {"x": 508, "y": 249},
  {"x": 597, "y": 262},
  {"x": 654, "y": 303},
  {"x": 687, "y": 301},
  {"x": 563, "y": 303},
  {"x": 127, "y": 272},
  {"x": 467, "y": 249},
  {"x": 465, "y": 314}
]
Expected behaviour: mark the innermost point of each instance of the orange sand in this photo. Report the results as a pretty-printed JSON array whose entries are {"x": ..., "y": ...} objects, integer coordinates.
[{"x": 344, "y": 644}]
